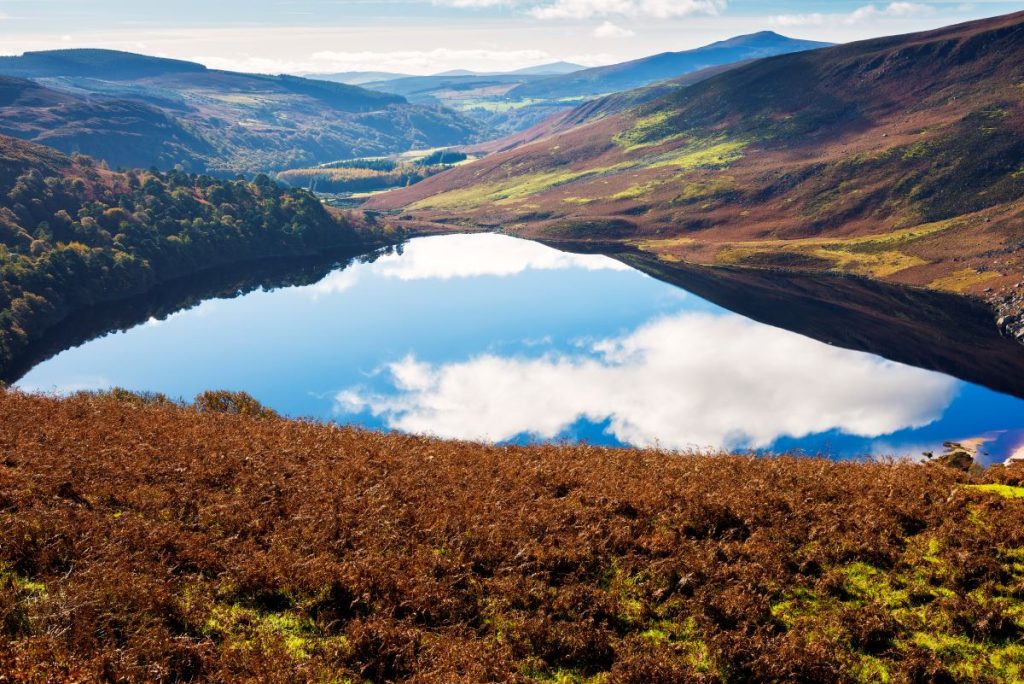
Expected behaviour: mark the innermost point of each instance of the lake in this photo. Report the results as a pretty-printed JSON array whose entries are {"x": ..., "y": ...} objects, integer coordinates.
[{"x": 488, "y": 337}]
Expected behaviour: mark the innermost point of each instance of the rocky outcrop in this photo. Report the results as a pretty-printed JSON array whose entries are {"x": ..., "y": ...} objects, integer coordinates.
[{"x": 1010, "y": 313}]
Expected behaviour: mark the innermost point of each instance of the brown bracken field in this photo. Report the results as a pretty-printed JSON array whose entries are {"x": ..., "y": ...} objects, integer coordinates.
[{"x": 144, "y": 540}]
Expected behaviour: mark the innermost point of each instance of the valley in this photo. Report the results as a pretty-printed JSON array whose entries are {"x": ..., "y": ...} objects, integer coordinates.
[
  {"x": 511, "y": 102},
  {"x": 364, "y": 343},
  {"x": 165, "y": 113},
  {"x": 900, "y": 163}
]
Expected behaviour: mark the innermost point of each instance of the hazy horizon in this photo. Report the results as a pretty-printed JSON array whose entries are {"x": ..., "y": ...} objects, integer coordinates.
[{"x": 426, "y": 37}]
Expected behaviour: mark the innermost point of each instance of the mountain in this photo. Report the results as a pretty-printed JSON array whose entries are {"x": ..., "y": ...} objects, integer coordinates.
[
  {"x": 549, "y": 69},
  {"x": 18, "y": 158},
  {"x": 357, "y": 77},
  {"x": 460, "y": 72},
  {"x": 898, "y": 159},
  {"x": 440, "y": 88},
  {"x": 364, "y": 77},
  {"x": 641, "y": 72},
  {"x": 483, "y": 97},
  {"x": 133, "y": 110},
  {"x": 594, "y": 110},
  {"x": 74, "y": 235},
  {"x": 514, "y": 102},
  {"x": 121, "y": 132},
  {"x": 110, "y": 65}
]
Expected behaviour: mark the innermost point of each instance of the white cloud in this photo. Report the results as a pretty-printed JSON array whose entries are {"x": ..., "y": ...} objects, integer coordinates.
[
  {"x": 692, "y": 380},
  {"x": 337, "y": 282},
  {"x": 610, "y": 30},
  {"x": 427, "y": 61},
  {"x": 895, "y": 9},
  {"x": 661, "y": 9},
  {"x": 868, "y": 14},
  {"x": 401, "y": 61},
  {"x": 814, "y": 19},
  {"x": 471, "y": 4}
]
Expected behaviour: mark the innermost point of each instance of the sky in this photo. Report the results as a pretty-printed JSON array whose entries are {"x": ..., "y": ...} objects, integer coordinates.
[{"x": 429, "y": 36}]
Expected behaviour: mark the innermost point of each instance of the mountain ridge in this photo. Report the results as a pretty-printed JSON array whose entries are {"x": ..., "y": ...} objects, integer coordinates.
[
  {"x": 641, "y": 72},
  {"x": 95, "y": 63},
  {"x": 510, "y": 103},
  {"x": 139, "y": 111},
  {"x": 896, "y": 158}
]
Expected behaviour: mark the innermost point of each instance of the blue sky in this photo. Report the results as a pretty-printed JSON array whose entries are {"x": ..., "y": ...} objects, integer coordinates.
[{"x": 424, "y": 36}]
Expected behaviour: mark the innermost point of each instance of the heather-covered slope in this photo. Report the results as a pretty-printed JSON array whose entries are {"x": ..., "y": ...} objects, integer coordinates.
[
  {"x": 121, "y": 132},
  {"x": 138, "y": 111},
  {"x": 898, "y": 158},
  {"x": 596, "y": 109}
]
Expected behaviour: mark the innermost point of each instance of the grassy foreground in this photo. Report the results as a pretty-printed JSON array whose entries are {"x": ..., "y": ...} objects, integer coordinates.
[{"x": 142, "y": 540}]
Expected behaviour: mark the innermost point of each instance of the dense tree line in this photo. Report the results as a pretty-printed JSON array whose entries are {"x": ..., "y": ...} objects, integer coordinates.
[
  {"x": 82, "y": 235},
  {"x": 370, "y": 174},
  {"x": 342, "y": 180}
]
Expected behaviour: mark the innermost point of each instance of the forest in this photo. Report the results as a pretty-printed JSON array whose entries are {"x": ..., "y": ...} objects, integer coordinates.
[
  {"x": 371, "y": 174},
  {"x": 74, "y": 234}
]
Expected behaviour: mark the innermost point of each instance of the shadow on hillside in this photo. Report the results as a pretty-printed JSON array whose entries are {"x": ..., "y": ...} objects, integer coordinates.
[
  {"x": 180, "y": 295},
  {"x": 953, "y": 335},
  {"x": 941, "y": 332}
]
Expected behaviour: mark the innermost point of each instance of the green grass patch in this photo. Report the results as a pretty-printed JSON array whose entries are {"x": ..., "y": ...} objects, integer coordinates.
[
  {"x": 717, "y": 154},
  {"x": 649, "y": 131},
  {"x": 702, "y": 190},
  {"x": 1005, "y": 491},
  {"x": 248, "y": 628},
  {"x": 22, "y": 584},
  {"x": 635, "y": 191},
  {"x": 514, "y": 189}
]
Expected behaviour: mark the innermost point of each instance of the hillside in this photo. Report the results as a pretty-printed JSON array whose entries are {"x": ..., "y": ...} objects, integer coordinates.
[
  {"x": 550, "y": 69},
  {"x": 74, "y": 235},
  {"x": 484, "y": 97},
  {"x": 137, "y": 111},
  {"x": 896, "y": 158},
  {"x": 510, "y": 103},
  {"x": 221, "y": 543},
  {"x": 596, "y": 109},
  {"x": 356, "y": 77},
  {"x": 109, "y": 65},
  {"x": 660, "y": 67},
  {"x": 124, "y": 133}
]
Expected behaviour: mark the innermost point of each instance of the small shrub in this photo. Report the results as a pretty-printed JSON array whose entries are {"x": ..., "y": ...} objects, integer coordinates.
[{"x": 236, "y": 403}]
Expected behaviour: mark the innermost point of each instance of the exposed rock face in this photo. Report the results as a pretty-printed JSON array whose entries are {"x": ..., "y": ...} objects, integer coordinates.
[{"x": 1009, "y": 308}]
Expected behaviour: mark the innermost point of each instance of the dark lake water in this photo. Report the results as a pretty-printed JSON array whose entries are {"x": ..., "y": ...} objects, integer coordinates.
[{"x": 487, "y": 337}]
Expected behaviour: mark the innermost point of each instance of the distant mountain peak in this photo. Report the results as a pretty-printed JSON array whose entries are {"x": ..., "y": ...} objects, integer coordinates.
[
  {"x": 553, "y": 68},
  {"x": 664, "y": 66},
  {"x": 761, "y": 37}
]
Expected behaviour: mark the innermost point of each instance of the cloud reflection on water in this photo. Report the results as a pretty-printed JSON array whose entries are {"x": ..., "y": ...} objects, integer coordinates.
[
  {"x": 466, "y": 256},
  {"x": 690, "y": 380}
]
